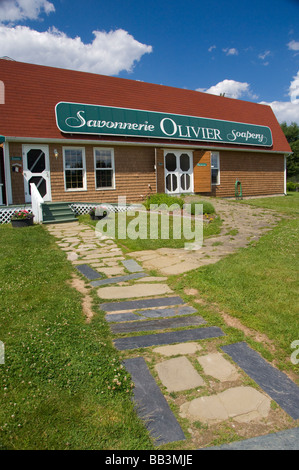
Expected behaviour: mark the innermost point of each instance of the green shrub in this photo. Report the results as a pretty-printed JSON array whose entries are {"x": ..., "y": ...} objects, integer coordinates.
[
  {"x": 292, "y": 186},
  {"x": 164, "y": 199},
  {"x": 208, "y": 208}
]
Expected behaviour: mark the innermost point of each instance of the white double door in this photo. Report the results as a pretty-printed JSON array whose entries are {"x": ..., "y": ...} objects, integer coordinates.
[
  {"x": 36, "y": 169},
  {"x": 178, "y": 166}
]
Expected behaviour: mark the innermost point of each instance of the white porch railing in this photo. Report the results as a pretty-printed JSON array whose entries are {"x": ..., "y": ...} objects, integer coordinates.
[{"x": 36, "y": 203}]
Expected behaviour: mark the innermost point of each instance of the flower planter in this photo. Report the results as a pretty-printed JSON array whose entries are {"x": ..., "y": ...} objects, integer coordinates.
[
  {"x": 97, "y": 217},
  {"x": 22, "y": 222}
]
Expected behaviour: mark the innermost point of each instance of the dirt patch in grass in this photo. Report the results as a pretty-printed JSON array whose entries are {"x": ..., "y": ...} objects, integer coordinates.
[{"x": 80, "y": 286}]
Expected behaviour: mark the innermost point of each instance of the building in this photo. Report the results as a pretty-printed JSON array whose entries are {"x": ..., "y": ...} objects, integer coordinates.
[{"x": 91, "y": 138}]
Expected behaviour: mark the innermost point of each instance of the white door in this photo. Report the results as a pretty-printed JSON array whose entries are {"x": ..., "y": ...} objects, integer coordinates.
[
  {"x": 36, "y": 170},
  {"x": 178, "y": 171}
]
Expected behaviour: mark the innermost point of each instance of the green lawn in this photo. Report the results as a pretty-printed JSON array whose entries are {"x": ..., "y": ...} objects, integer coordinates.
[
  {"x": 143, "y": 229},
  {"x": 62, "y": 384},
  {"x": 259, "y": 285}
]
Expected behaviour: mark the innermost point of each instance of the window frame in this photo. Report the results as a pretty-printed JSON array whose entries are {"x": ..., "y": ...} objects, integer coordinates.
[
  {"x": 106, "y": 188},
  {"x": 83, "y": 169},
  {"x": 217, "y": 154}
]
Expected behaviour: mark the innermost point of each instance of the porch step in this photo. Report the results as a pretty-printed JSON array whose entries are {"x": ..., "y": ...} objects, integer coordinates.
[{"x": 57, "y": 212}]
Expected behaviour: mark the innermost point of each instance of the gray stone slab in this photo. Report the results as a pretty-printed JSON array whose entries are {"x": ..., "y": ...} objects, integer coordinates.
[
  {"x": 132, "y": 266},
  {"x": 153, "y": 324},
  {"x": 142, "y": 303},
  {"x": 123, "y": 317},
  {"x": 283, "y": 440},
  {"x": 117, "y": 279},
  {"x": 88, "y": 272},
  {"x": 274, "y": 382},
  {"x": 156, "y": 339},
  {"x": 169, "y": 312},
  {"x": 151, "y": 405}
]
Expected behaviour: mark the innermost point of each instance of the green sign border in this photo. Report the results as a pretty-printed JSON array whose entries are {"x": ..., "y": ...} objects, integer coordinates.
[{"x": 127, "y": 122}]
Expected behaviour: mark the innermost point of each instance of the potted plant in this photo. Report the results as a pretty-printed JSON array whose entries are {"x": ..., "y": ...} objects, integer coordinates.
[
  {"x": 98, "y": 213},
  {"x": 22, "y": 218},
  {"x": 92, "y": 213}
]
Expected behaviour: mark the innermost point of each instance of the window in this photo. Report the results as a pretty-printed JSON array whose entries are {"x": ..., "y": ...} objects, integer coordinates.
[
  {"x": 104, "y": 168},
  {"x": 215, "y": 167},
  {"x": 74, "y": 169}
]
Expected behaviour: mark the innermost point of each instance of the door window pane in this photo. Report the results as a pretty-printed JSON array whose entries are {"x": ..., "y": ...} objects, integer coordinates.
[
  {"x": 36, "y": 161},
  {"x": 40, "y": 183},
  {"x": 170, "y": 162},
  {"x": 171, "y": 183},
  {"x": 185, "y": 162},
  {"x": 185, "y": 182}
]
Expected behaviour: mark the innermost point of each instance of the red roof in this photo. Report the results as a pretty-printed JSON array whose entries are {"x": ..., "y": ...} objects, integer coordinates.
[{"x": 32, "y": 91}]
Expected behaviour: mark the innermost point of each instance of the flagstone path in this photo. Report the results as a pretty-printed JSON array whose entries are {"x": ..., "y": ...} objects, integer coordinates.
[
  {"x": 173, "y": 357},
  {"x": 242, "y": 225}
]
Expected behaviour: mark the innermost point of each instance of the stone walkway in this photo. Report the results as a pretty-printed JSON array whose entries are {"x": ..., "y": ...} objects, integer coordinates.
[
  {"x": 175, "y": 360},
  {"x": 242, "y": 224}
]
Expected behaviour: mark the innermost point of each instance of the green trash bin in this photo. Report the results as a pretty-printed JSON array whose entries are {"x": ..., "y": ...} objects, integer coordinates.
[{"x": 238, "y": 189}]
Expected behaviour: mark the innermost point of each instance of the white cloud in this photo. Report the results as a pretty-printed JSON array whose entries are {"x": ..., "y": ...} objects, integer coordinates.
[
  {"x": 231, "y": 51},
  {"x": 18, "y": 10},
  {"x": 231, "y": 89},
  {"x": 293, "y": 45},
  {"x": 288, "y": 111},
  {"x": 108, "y": 54},
  {"x": 285, "y": 111},
  {"x": 264, "y": 55},
  {"x": 294, "y": 89},
  {"x": 211, "y": 48}
]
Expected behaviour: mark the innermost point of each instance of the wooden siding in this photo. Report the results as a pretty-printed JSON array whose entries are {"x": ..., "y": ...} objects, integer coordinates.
[
  {"x": 159, "y": 162},
  {"x": 202, "y": 174},
  {"x": 260, "y": 174},
  {"x": 17, "y": 179},
  {"x": 135, "y": 176}
]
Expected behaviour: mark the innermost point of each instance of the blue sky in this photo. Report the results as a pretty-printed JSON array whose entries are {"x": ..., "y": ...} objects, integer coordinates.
[{"x": 247, "y": 49}]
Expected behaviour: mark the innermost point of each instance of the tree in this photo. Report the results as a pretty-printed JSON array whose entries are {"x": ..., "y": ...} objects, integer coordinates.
[{"x": 292, "y": 135}]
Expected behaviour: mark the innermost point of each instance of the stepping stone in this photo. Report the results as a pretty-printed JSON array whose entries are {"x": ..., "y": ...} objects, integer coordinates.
[
  {"x": 123, "y": 317},
  {"x": 178, "y": 374},
  {"x": 130, "y": 292},
  {"x": 138, "y": 304},
  {"x": 88, "y": 272},
  {"x": 151, "y": 405},
  {"x": 216, "y": 366},
  {"x": 133, "y": 342},
  {"x": 174, "y": 349},
  {"x": 112, "y": 270},
  {"x": 72, "y": 256},
  {"x": 117, "y": 279},
  {"x": 169, "y": 312},
  {"x": 153, "y": 279},
  {"x": 283, "y": 440},
  {"x": 132, "y": 265},
  {"x": 275, "y": 383},
  {"x": 243, "y": 404},
  {"x": 149, "y": 325}
]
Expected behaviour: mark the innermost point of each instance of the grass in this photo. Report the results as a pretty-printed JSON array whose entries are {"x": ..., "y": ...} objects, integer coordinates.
[
  {"x": 286, "y": 204},
  {"x": 141, "y": 230},
  {"x": 259, "y": 284},
  {"x": 62, "y": 384}
]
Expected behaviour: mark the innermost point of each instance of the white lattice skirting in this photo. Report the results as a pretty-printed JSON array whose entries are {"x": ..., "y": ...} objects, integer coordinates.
[
  {"x": 83, "y": 208},
  {"x": 7, "y": 213},
  {"x": 78, "y": 208}
]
